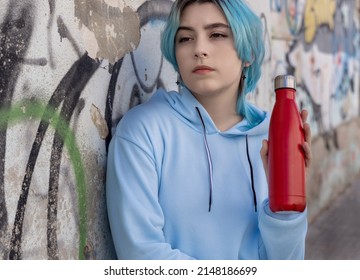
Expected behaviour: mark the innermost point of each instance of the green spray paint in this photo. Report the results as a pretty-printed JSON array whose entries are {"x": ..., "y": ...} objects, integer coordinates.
[{"x": 30, "y": 109}]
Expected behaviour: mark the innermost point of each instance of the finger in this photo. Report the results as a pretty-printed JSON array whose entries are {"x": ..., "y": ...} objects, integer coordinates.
[
  {"x": 264, "y": 156},
  {"x": 307, "y": 133},
  {"x": 264, "y": 149},
  {"x": 307, "y": 152},
  {"x": 304, "y": 114}
]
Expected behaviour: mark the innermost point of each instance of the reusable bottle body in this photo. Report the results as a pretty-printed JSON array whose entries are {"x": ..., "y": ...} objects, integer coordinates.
[{"x": 286, "y": 157}]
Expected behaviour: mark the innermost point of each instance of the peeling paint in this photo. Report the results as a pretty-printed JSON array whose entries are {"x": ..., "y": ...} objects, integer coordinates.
[
  {"x": 109, "y": 31},
  {"x": 99, "y": 121},
  {"x": 115, "y": 3}
]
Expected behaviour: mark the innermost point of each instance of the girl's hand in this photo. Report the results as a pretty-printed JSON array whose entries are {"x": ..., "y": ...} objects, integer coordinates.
[
  {"x": 307, "y": 143},
  {"x": 306, "y": 146}
]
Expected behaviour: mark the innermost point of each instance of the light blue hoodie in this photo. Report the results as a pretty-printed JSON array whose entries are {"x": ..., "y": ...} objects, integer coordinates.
[{"x": 176, "y": 192}]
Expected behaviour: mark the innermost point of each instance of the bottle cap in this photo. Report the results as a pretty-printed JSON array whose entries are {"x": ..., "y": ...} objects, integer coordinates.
[{"x": 285, "y": 81}]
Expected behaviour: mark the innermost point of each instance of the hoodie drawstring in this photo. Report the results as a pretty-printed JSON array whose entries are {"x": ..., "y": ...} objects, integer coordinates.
[
  {"x": 251, "y": 173},
  {"x": 208, "y": 154},
  {"x": 208, "y": 157}
]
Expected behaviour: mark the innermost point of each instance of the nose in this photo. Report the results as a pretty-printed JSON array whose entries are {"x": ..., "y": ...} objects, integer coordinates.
[
  {"x": 200, "y": 50},
  {"x": 200, "y": 55}
]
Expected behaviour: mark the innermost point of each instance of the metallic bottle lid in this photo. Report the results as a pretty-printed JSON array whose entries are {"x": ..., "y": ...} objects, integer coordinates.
[{"x": 285, "y": 81}]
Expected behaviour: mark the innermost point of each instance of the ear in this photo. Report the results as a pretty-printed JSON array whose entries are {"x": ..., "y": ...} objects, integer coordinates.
[{"x": 247, "y": 64}]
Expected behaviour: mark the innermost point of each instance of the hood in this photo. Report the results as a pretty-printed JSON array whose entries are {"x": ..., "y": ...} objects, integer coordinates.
[
  {"x": 185, "y": 104},
  {"x": 190, "y": 111}
]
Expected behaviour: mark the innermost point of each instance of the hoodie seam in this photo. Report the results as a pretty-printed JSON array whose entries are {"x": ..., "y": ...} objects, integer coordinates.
[
  {"x": 196, "y": 126},
  {"x": 138, "y": 146}
]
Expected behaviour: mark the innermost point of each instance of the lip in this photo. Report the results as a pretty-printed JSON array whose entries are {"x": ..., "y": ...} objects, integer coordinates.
[{"x": 202, "y": 69}]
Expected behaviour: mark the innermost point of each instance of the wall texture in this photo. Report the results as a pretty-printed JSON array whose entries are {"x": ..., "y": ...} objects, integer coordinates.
[{"x": 69, "y": 70}]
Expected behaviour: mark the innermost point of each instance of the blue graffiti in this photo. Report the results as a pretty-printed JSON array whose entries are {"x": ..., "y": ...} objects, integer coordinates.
[
  {"x": 276, "y": 5},
  {"x": 293, "y": 19}
]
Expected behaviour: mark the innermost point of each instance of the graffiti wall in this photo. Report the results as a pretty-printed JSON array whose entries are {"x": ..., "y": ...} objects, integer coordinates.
[{"x": 69, "y": 70}]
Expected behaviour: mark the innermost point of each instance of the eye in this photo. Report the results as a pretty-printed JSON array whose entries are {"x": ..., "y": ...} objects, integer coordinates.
[
  {"x": 183, "y": 39},
  {"x": 218, "y": 35}
]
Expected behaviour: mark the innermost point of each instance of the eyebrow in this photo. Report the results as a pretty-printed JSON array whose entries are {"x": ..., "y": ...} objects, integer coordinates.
[{"x": 207, "y": 27}]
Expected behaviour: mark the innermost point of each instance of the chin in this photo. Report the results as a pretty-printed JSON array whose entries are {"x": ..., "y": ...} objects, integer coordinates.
[{"x": 203, "y": 89}]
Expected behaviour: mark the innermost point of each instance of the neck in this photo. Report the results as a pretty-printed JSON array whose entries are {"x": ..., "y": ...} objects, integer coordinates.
[{"x": 221, "y": 110}]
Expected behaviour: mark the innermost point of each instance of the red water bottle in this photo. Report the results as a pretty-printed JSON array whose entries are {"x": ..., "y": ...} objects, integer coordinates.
[{"x": 285, "y": 155}]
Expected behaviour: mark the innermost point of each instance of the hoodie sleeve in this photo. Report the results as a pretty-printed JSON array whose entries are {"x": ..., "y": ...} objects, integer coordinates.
[
  {"x": 135, "y": 215},
  {"x": 283, "y": 234}
]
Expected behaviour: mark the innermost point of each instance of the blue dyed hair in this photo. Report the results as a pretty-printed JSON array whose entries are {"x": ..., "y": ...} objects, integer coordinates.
[{"x": 247, "y": 31}]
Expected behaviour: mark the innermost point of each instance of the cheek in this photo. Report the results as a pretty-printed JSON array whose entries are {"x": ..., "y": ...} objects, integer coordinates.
[
  {"x": 181, "y": 61},
  {"x": 231, "y": 62},
  {"x": 179, "y": 55}
]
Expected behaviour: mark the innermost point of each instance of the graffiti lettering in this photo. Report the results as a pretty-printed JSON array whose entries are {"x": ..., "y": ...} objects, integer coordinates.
[
  {"x": 318, "y": 12},
  {"x": 49, "y": 116}
]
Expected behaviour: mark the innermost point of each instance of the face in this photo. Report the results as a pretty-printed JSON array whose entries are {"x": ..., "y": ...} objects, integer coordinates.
[{"x": 204, "y": 46}]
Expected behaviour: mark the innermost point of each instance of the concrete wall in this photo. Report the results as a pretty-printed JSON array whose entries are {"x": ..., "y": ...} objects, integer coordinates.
[{"x": 69, "y": 70}]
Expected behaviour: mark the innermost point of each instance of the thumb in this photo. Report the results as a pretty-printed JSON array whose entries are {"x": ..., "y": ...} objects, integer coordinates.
[{"x": 264, "y": 156}]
